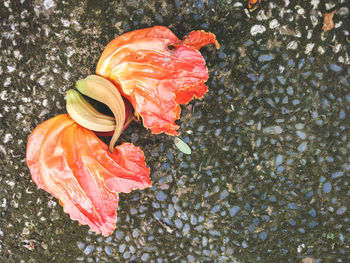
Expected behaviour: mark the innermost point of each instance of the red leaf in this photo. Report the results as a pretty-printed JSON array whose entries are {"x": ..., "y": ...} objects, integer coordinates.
[
  {"x": 123, "y": 170},
  {"x": 199, "y": 39},
  {"x": 84, "y": 175},
  {"x": 156, "y": 71},
  {"x": 183, "y": 96}
]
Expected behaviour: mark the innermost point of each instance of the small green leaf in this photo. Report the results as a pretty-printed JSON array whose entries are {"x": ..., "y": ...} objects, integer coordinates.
[
  {"x": 330, "y": 236},
  {"x": 182, "y": 146},
  {"x": 253, "y": 8},
  {"x": 347, "y": 39}
]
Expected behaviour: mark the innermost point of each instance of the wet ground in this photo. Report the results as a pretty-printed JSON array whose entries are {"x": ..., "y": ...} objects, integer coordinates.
[{"x": 268, "y": 177}]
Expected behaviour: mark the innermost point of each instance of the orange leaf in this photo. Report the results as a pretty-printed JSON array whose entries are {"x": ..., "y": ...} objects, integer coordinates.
[
  {"x": 156, "y": 71},
  {"x": 73, "y": 165},
  {"x": 328, "y": 23},
  {"x": 185, "y": 95},
  {"x": 199, "y": 39},
  {"x": 253, "y": 5}
]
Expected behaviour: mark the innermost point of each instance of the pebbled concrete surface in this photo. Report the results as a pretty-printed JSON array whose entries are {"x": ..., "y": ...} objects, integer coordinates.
[{"x": 268, "y": 178}]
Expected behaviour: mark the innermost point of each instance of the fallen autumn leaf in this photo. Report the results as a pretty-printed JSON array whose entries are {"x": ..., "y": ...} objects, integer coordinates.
[{"x": 328, "y": 23}]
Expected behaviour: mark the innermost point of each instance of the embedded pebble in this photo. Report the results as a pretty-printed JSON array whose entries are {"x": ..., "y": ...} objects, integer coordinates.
[
  {"x": 312, "y": 212},
  {"x": 263, "y": 235},
  {"x": 341, "y": 210},
  {"x": 321, "y": 50},
  {"x": 178, "y": 223},
  {"x": 343, "y": 11},
  {"x": 337, "y": 174},
  {"x": 49, "y": 4},
  {"x": 327, "y": 187},
  {"x": 301, "y": 134},
  {"x": 335, "y": 67},
  {"x": 329, "y": 5},
  {"x": 309, "y": 48},
  {"x": 89, "y": 249},
  {"x": 234, "y": 210},
  {"x": 300, "y": 10},
  {"x": 108, "y": 250},
  {"x": 279, "y": 159},
  {"x": 273, "y": 130},
  {"x": 315, "y": 3},
  {"x": 161, "y": 196},
  {"x": 274, "y": 24},
  {"x": 302, "y": 147},
  {"x": 257, "y": 29},
  {"x": 292, "y": 45},
  {"x": 292, "y": 206},
  {"x": 266, "y": 57}
]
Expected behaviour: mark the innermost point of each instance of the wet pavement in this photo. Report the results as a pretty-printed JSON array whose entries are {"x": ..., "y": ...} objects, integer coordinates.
[{"x": 268, "y": 177}]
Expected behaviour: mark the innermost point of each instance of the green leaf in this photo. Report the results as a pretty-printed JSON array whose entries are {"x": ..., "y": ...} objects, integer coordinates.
[
  {"x": 347, "y": 39},
  {"x": 182, "y": 146}
]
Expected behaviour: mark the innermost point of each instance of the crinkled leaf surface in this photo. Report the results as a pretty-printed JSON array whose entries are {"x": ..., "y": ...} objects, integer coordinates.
[
  {"x": 156, "y": 71},
  {"x": 199, "y": 38},
  {"x": 73, "y": 165}
]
